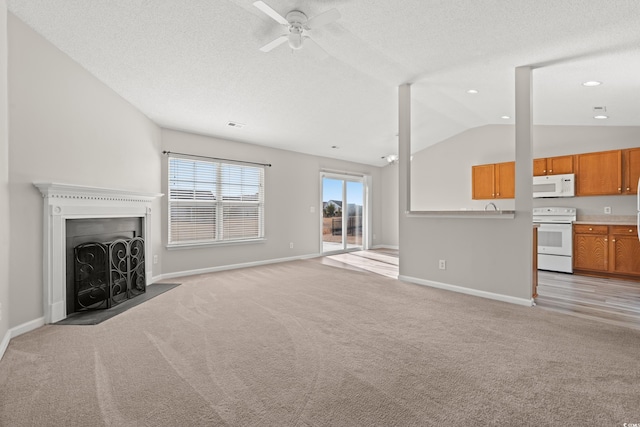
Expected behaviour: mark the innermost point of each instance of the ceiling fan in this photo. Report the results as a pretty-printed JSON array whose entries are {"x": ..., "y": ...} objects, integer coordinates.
[{"x": 297, "y": 25}]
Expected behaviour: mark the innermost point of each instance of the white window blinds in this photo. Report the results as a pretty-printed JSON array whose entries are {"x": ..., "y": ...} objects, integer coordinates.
[{"x": 214, "y": 201}]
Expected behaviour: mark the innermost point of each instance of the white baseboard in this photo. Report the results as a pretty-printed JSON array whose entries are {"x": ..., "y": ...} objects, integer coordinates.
[
  {"x": 397, "y": 248},
  {"x": 19, "y": 330},
  {"x": 475, "y": 292},
  {"x": 155, "y": 279},
  {"x": 231, "y": 267},
  {"x": 4, "y": 343},
  {"x": 26, "y": 327}
]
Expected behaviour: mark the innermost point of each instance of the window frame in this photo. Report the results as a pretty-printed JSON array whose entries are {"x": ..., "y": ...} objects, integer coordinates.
[{"x": 219, "y": 203}]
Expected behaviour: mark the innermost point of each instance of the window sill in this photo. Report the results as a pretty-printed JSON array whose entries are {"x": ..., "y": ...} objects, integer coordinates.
[{"x": 177, "y": 246}]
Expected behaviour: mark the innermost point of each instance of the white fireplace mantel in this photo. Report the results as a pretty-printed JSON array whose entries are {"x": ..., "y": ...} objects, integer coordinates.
[{"x": 65, "y": 201}]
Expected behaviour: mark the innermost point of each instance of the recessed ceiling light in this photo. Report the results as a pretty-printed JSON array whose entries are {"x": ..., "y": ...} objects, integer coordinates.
[
  {"x": 601, "y": 117},
  {"x": 472, "y": 91},
  {"x": 591, "y": 83},
  {"x": 505, "y": 117},
  {"x": 335, "y": 147}
]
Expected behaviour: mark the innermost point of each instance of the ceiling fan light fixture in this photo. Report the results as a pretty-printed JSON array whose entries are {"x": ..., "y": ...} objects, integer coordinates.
[{"x": 295, "y": 40}]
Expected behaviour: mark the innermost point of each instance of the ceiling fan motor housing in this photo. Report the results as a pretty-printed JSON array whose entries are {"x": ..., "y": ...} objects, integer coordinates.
[{"x": 296, "y": 21}]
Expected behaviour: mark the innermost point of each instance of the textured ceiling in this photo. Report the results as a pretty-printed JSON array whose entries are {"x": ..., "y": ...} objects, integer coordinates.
[{"x": 195, "y": 65}]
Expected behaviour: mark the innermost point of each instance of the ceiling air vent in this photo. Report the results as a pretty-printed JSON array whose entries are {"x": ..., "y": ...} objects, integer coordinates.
[
  {"x": 235, "y": 125},
  {"x": 599, "y": 110}
]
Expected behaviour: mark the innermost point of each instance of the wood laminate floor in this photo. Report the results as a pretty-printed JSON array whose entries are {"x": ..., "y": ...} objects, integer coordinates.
[
  {"x": 609, "y": 300},
  {"x": 379, "y": 261}
]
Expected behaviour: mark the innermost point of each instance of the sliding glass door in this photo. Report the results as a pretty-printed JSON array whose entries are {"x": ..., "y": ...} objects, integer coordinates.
[{"x": 343, "y": 210}]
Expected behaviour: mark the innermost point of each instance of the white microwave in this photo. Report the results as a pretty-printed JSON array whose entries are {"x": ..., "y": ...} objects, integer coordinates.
[{"x": 554, "y": 185}]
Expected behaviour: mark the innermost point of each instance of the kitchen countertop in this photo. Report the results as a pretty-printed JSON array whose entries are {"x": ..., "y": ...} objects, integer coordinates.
[{"x": 607, "y": 220}]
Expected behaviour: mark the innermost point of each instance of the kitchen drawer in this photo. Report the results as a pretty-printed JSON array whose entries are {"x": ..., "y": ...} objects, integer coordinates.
[
  {"x": 590, "y": 229},
  {"x": 624, "y": 229}
]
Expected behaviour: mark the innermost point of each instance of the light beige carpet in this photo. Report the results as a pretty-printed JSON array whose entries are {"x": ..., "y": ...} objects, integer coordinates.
[{"x": 305, "y": 344}]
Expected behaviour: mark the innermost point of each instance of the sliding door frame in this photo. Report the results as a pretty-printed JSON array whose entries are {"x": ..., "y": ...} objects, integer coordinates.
[{"x": 345, "y": 177}]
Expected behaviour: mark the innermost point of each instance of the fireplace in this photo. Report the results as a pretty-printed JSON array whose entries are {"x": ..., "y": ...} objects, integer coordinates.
[
  {"x": 105, "y": 262},
  {"x": 107, "y": 274},
  {"x": 64, "y": 205}
]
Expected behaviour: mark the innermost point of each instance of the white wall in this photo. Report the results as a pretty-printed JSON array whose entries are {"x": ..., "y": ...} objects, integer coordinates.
[
  {"x": 442, "y": 173},
  {"x": 292, "y": 186},
  {"x": 64, "y": 126},
  {"x": 390, "y": 210},
  {"x": 4, "y": 182}
]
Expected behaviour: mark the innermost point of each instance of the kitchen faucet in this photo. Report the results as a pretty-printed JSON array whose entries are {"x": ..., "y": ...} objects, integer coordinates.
[{"x": 495, "y": 208}]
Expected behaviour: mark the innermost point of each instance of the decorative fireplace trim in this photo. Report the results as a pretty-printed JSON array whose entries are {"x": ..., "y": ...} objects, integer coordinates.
[{"x": 64, "y": 201}]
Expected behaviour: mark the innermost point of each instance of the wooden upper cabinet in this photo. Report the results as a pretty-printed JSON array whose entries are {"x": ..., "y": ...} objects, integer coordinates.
[
  {"x": 553, "y": 165},
  {"x": 539, "y": 167},
  {"x": 559, "y": 165},
  {"x": 483, "y": 182},
  {"x": 493, "y": 181},
  {"x": 505, "y": 182},
  {"x": 631, "y": 170},
  {"x": 599, "y": 173}
]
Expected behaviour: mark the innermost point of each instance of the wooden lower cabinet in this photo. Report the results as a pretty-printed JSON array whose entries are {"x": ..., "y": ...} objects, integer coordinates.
[
  {"x": 591, "y": 247},
  {"x": 625, "y": 250},
  {"x": 606, "y": 250}
]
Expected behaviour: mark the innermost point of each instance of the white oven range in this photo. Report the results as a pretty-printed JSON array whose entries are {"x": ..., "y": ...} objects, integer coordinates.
[{"x": 555, "y": 238}]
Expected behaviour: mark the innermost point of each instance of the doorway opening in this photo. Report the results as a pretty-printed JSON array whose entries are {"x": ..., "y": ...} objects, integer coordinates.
[{"x": 344, "y": 223}]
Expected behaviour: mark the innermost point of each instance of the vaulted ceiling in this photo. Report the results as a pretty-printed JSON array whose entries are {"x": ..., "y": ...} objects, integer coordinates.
[{"x": 196, "y": 65}]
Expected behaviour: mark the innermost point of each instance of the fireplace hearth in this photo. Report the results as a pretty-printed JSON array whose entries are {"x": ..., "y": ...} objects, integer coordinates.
[{"x": 108, "y": 273}]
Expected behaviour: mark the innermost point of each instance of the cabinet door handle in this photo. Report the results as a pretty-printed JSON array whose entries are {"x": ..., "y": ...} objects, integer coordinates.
[
  {"x": 544, "y": 171},
  {"x": 498, "y": 194},
  {"x": 613, "y": 240},
  {"x": 628, "y": 188},
  {"x": 606, "y": 240},
  {"x": 590, "y": 229},
  {"x": 631, "y": 230},
  {"x": 619, "y": 189},
  {"x": 550, "y": 170}
]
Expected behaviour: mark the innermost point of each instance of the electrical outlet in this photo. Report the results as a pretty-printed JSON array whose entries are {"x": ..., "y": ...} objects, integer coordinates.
[
  {"x": 291, "y": 245},
  {"x": 607, "y": 209},
  {"x": 442, "y": 264},
  {"x": 155, "y": 259}
]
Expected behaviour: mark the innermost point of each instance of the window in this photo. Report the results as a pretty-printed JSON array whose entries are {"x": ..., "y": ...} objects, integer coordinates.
[{"x": 211, "y": 202}]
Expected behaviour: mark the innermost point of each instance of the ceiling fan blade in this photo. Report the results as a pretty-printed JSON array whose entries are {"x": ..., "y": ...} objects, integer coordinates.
[
  {"x": 314, "y": 48},
  {"x": 273, "y": 44},
  {"x": 323, "y": 19},
  {"x": 269, "y": 11}
]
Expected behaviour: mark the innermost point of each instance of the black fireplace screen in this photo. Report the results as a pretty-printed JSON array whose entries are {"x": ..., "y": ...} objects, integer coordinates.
[{"x": 107, "y": 274}]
